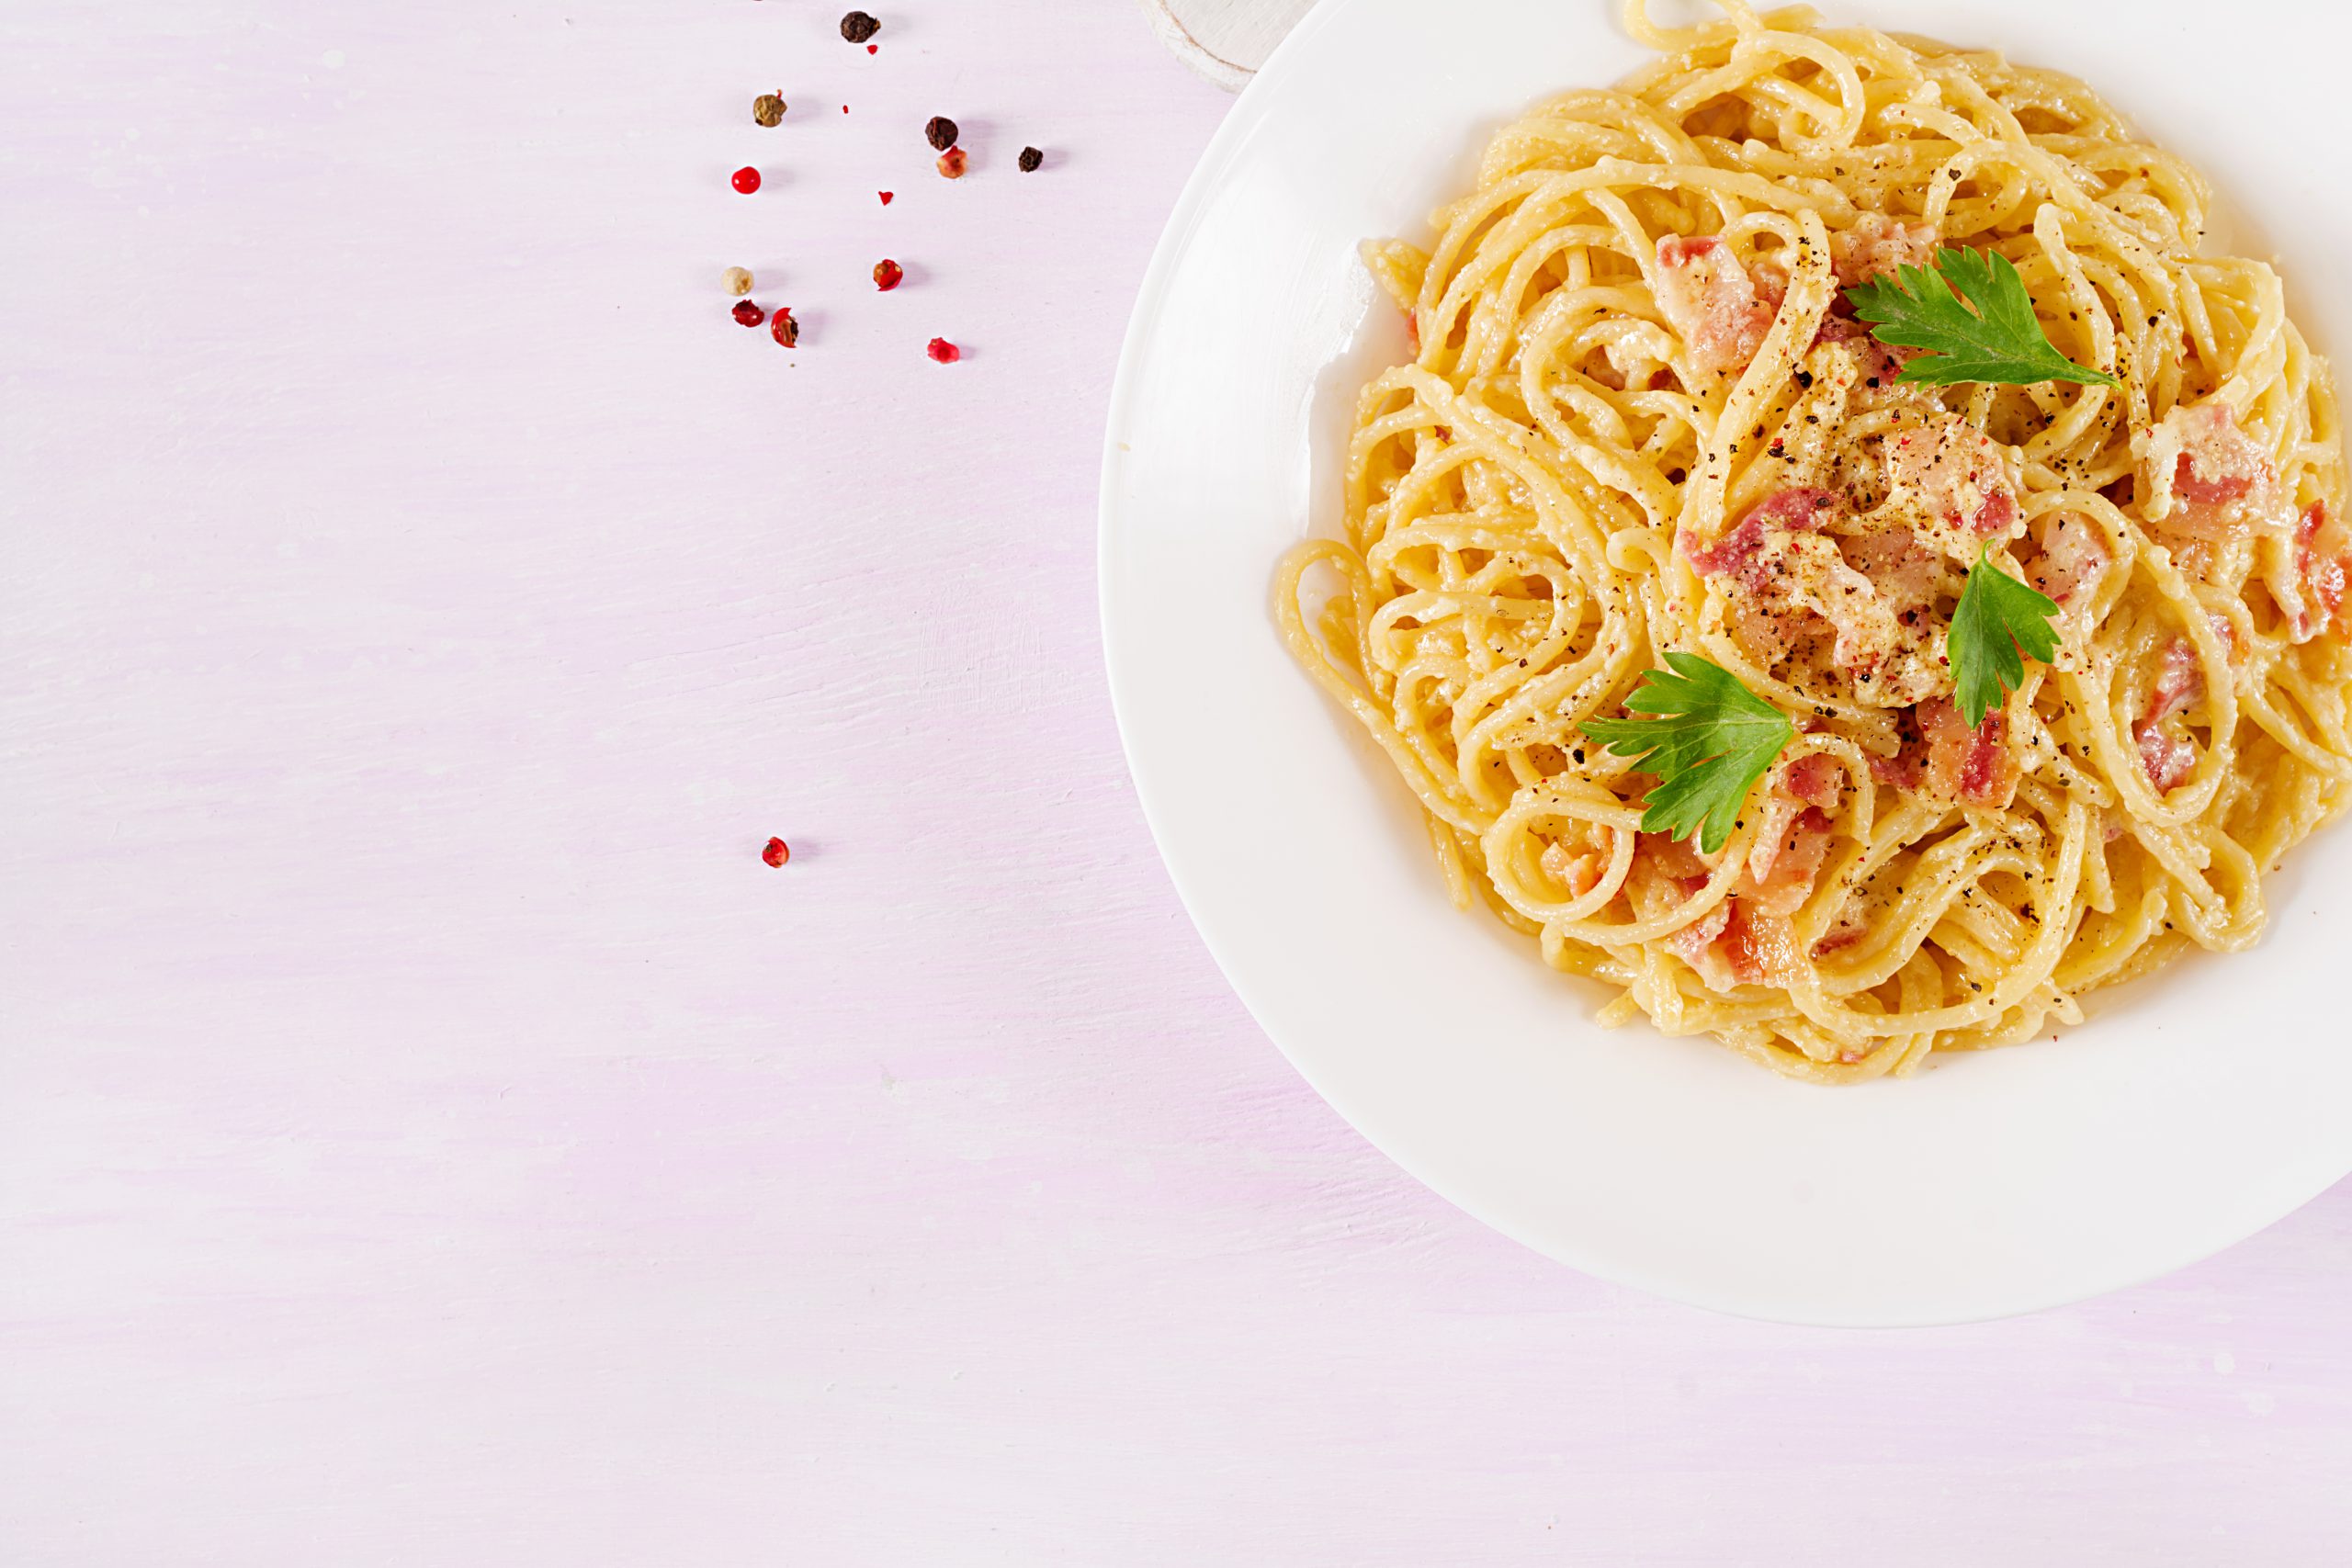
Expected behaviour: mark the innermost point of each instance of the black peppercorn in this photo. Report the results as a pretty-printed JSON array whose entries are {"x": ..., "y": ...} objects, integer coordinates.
[
  {"x": 1031, "y": 160},
  {"x": 940, "y": 132},
  {"x": 767, "y": 110},
  {"x": 857, "y": 27}
]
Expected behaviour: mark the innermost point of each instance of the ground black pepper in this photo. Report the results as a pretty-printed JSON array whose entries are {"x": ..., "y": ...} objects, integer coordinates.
[
  {"x": 940, "y": 133},
  {"x": 857, "y": 27},
  {"x": 1031, "y": 160}
]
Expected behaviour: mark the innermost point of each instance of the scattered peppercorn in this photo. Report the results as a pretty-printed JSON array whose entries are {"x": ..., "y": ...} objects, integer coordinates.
[
  {"x": 1032, "y": 160},
  {"x": 777, "y": 851},
  {"x": 785, "y": 330},
  {"x": 857, "y": 27},
  {"x": 737, "y": 279},
  {"x": 885, "y": 197},
  {"x": 889, "y": 275},
  {"x": 944, "y": 352},
  {"x": 940, "y": 132},
  {"x": 747, "y": 179},
  {"x": 873, "y": 48},
  {"x": 768, "y": 109},
  {"x": 953, "y": 162},
  {"x": 749, "y": 314}
]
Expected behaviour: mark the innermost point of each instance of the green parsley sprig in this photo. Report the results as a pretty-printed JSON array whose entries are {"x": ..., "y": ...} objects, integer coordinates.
[
  {"x": 1999, "y": 340},
  {"x": 1997, "y": 617},
  {"x": 1707, "y": 737}
]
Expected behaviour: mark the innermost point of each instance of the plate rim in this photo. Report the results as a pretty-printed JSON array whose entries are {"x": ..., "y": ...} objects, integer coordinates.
[{"x": 1224, "y": 147}]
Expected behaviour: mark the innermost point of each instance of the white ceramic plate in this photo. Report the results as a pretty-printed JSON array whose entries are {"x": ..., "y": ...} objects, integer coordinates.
[{"x": 2191, "y": 1112}]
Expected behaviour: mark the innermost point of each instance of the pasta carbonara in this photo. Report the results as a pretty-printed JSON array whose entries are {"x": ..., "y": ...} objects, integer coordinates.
[{"x": 1642, "y": 419}]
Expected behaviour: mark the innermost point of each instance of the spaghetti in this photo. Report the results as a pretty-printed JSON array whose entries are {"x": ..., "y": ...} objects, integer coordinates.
[{"x": 1640, "y": 418}]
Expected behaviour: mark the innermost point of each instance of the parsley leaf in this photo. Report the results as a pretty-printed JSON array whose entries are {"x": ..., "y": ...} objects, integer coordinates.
[
  {"x": 1998, "y": 341},
  {"x": 1998, "y": 616},
  {"x": 1710, "y": 741}
]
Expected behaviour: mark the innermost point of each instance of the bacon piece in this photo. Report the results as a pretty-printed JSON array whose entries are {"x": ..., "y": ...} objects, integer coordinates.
[
  {"x": 2220, "y": 480},
  {"x": 1875, "y": 591},
  {"x": 2194, "y": 556},
  {"x": 1675, "y": 859},
  {"x": 1954, "y": 479},
  {"x": 1738, "y": 553},
  {"x": 1792, "y": 838},
  {"x": 1816, "y": 779},
  {"x": 1973, "y": 766},
  {"x": 1744, "y": 552},
  {"x": 1877, "y": 244},
  {"x": 2322, "y": 559},
  {"x": 1691, "y": 943},
  {"x": 2073, "y": 556},
  {"x": 1756, "y": 944},
  {"x": 2180, "y": 681},
  {"x": 1780, "y": 872},
  {"x": 1804, "y": 511},
  {"x": 2169, "y": 759},
  {"x": 1580, "y": 872},
  {"x": 1876, "y": 363},
  {"x": 1667, "y": 872},
  {"x": 2165, "y": 751},
  {"x": 2217, "y": 464},
  {"x": 1851, "y": 928},
  {"x": 1906, "y": 574},
  {"x": 1734, "y": 944},
  {"x": 1777, "y": 829},
  {"x": 1906, "y": 770},
  {"x": 2195, "y": 489},
  {"x": 1794, "y": 577},
  {"x": 1710, "y": 301}
]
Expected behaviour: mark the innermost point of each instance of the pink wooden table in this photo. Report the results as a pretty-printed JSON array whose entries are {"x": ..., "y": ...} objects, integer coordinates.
[{"x": 429, "y": 1134}]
